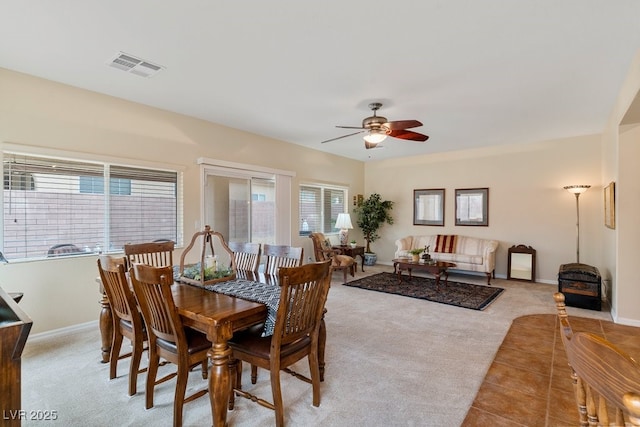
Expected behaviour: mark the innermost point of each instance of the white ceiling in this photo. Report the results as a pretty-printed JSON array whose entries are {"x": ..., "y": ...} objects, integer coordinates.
[{"x": 474, "y": 72}]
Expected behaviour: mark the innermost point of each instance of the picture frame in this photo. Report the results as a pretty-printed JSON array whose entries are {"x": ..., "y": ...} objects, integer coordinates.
[
  {"x": 472, "y": 206},
  {"x": 610, "y": 205},
  {"x": 428, "y": 207}
]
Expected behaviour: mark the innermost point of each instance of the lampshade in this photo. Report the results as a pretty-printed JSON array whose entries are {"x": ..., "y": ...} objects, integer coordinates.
[
  {"x": 375, "y": 136},
  {"x": 344, "y": 221},
  {"x": 577, "y": 189}
]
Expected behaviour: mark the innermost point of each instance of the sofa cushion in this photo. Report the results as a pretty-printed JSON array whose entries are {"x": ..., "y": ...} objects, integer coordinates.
[{"x": 446, "y": 243}]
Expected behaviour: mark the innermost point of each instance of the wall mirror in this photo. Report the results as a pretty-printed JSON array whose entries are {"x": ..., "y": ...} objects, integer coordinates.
[
  {"x": 521, "y": 263},
  {"x": 428, "y": 207}
]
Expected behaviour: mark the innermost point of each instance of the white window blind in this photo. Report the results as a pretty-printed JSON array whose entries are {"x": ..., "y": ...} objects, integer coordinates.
[
  {"x": 319, "y": 208},
  {"x": 57, "y": 207}
]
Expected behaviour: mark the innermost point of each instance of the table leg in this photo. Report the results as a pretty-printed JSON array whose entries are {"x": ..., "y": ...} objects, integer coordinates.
[
  {"x": 398, "y": 270},
  {"x": 361, "y": 261},
  {"x": 106, "y": 328},
  {"x": 437, "y": 276},
  {"x": 322, "y": 340},
  {"x": 219, "y": 376}
]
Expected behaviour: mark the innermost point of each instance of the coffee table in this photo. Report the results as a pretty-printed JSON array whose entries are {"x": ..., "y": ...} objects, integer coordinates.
[{"x": 436, "y": 268}]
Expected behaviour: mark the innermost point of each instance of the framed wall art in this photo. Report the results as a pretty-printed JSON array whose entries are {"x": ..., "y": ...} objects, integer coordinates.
[
  {"x": 472, "y": 206},
  {"x": 428, "y": 207},
  {"x": 610, "y": 205}
]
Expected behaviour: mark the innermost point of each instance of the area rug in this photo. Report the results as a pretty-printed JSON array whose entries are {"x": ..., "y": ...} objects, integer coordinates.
[{"x": 466, "y": 295}]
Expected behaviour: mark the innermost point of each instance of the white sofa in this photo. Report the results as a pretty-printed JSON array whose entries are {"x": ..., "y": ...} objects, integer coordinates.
[{"x": 468, "y": 253}]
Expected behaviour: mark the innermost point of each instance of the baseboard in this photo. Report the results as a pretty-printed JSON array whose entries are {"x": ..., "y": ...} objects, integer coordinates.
[{"x": 81, "y": 327}]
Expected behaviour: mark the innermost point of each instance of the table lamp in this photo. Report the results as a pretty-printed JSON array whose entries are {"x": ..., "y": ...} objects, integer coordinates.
[{"x": 344, "y": 224}]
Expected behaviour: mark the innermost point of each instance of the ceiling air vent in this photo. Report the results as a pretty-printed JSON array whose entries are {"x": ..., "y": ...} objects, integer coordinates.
[{"x": 133, "y": 65}]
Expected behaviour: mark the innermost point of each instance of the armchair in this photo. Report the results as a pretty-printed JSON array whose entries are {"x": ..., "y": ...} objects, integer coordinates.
[{"x": 323, "y": 252}]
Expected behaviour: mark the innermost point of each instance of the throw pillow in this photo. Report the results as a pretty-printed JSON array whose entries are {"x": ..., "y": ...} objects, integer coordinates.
[{"x": 446, "y": 243}]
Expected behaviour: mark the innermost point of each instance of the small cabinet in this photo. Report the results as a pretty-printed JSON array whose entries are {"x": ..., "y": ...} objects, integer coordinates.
[{"x": 521, "y": 264}]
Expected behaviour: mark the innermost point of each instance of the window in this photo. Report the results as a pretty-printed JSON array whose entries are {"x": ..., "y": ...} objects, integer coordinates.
[
  {"x": 319, "y": 208},
  {"x": 91, "y": 206},
  {"x": 95, "y": 185}
]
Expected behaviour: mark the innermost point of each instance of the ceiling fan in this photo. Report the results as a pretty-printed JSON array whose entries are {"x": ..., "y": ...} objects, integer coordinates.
[{"x": 377, "y": 128}]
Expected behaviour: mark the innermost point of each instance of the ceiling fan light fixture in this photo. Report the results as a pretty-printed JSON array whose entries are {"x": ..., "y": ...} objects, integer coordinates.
[{"x": 375, "y": 136}]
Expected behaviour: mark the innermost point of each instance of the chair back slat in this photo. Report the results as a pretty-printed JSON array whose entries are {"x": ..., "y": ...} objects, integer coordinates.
[
  {"x": 152, "y": 287},
  {"x": 281, "y": 256},
  {"x": 157, "y": 254},
  {"x": 303, "y": 294},
  {"x": 603, "y": 375},
  {"x": 247, "y": 255},
  {"x": 115, "y": 283}
]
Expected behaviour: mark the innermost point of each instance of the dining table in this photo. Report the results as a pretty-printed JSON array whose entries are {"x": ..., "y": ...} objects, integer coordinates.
[{"x": 218, "y": 316}]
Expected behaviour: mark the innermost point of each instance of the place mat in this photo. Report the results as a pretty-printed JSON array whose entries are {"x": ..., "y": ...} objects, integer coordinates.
[
  {"x": 466, "y": 295},
  {"x": 250, "y": 290}
]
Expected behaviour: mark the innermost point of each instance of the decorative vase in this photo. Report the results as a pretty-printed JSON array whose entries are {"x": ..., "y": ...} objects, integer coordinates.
[
  {"x": 370, "y": 258},
  {"x": 415, "y": 257},
  {"x": 353, "y": 245}
]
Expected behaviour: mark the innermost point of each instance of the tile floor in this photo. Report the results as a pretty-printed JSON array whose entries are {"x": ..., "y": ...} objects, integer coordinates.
[{"x": 529, "y": 383}]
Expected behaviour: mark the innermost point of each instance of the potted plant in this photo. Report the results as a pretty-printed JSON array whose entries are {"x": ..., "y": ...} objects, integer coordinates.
[
  {"x": 372, "y": 213},
  {"x": 353, "y": 243},
  {"x": 415, "y": 254}
]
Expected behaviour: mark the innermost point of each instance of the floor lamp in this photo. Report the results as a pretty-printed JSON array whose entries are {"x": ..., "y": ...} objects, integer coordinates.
[{"x": 577, "y": 190}]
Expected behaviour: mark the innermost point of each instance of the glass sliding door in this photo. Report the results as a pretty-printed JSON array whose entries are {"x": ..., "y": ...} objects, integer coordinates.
[
  {"x": 263, "y": 210},
  {"x": 241, "y": 208}
]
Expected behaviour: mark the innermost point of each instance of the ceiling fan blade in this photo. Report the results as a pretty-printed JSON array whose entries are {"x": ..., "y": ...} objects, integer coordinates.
[
  {"x": 402, "y": 124},
  {"x": 340, "y": 137},
  {"x": 407, "y": 134},
  {"x": 350, "y": 127}
]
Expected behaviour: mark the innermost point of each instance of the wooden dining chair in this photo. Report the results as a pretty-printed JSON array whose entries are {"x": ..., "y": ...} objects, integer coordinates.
[
  {"x": 281, "y": 256},
  {"x": 303, "y": 292},
  {"x": 168, "y": 337},
  {"x": 606, "y": 380},
  {"x": 247, "y": 255},
  {"x": 127, "y": 320},
  {"x": 323, "y": 251},
  {"x": 157, "y": 254}
]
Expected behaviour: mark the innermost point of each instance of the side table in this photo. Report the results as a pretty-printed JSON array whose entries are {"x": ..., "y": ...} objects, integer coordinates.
[{"x": 352, "y": 252}]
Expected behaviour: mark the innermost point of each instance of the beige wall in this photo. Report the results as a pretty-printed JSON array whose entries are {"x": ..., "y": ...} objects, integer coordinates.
[
  {"x": 527, "y": 204},
  {"x": 621, "y": 151},
  {"x": 40, "y": 113},
  {"x": 627, "y": 295}
]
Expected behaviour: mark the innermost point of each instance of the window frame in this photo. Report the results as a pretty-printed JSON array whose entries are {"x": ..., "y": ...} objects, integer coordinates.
[{"x": 321, "y": 188}]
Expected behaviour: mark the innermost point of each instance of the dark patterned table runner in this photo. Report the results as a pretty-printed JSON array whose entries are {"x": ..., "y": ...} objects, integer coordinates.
[{"x": 250, "y": 290}]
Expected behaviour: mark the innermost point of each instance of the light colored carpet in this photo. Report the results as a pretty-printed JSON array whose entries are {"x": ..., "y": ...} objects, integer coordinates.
[{"x": 391, "y": 361}]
